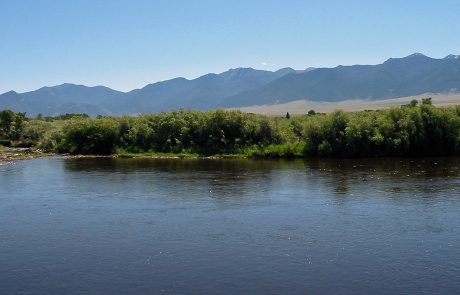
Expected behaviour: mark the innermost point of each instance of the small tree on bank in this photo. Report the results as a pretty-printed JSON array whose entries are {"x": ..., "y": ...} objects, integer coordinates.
[{"x": 427, "y": 101}]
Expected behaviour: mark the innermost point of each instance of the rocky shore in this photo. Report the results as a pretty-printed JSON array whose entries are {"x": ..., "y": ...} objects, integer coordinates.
[{"x": 8, "y": 154}]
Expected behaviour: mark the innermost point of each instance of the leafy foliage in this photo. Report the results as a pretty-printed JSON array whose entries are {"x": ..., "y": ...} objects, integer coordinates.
[
  {"x": 11, "y": 124},
  {"x": 412, "y": 130}
]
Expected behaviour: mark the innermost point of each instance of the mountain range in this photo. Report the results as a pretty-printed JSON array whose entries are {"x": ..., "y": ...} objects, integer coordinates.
[{"x": 397, "y": 77}]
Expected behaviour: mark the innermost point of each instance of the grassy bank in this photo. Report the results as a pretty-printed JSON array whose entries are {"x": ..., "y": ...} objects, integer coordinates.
[{"x": 412, "y": 130}]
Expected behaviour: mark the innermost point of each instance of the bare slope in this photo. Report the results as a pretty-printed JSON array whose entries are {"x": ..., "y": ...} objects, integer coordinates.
[{"x": 303, "y": 106}]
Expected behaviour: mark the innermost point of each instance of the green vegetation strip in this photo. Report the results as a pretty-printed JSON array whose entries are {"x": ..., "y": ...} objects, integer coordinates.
[{"x": 412, "y": 130}]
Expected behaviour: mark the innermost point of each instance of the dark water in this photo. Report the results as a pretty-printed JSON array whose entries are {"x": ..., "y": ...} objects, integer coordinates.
[{"x": 105, "y": 226}]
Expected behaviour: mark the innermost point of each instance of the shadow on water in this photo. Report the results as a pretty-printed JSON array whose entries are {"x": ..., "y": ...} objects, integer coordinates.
[
  {"x": 218, "y": 179},
  {"x": 232, "y": 177},
  {"x": 396, "y": 180},
  {"x": 173, "y": 165},
  {"x": 413, "y": 168}
]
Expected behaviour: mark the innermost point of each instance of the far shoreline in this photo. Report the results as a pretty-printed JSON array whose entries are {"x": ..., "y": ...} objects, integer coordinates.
[{"x": 8, "y": 157}]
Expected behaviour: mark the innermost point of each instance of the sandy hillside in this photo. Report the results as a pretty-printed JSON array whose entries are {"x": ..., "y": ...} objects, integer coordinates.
[{"x": 303, "y": 106}]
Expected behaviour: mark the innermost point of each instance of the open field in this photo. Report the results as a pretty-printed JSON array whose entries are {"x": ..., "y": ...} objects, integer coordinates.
[{"x": 303, "y": 106}]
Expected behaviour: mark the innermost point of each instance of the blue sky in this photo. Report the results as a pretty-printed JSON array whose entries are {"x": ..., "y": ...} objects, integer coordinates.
[{"x": 128, "y": 44}]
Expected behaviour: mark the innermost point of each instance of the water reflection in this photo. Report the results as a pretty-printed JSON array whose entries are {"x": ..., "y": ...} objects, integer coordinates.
[
  {"x": 225, "y": 180},
  {"x": 134, "y": 226},
  {"x": 388, "y": 175}
]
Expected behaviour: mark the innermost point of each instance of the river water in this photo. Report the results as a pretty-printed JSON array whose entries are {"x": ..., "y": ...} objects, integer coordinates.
[{"x": 172, "y": 226}]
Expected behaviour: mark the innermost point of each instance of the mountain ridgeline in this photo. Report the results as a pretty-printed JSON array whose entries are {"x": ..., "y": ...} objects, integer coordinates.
[{"x": 397, "y": 77}]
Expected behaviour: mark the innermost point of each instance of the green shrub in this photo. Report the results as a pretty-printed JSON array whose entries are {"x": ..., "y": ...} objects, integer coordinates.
[
  {"x": 89, "y": 136},
  {"x": 415, "y": 130}
]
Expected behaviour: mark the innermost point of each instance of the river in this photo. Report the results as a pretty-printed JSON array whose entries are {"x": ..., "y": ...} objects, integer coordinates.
[{"x": 236, "y": 226}]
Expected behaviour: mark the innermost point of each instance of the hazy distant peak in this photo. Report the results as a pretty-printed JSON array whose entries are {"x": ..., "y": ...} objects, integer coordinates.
[
  {"x": 415, "y": 57},
  {"x": 285, "y": 71},
  {"x": 60, "y": 86},
  {"x": 173, "y": 81},
  {"x": 239, "y": 69},
  {"x": 452, "y": 56},
  {"x": 206, "y": 76},
  {"x": 68, "y": 86},
  {"x": 397, "y": 77},
  {"x": 417, "y": 54},
  {"x": 11, "y": 92},
  {"x": 8, "y": 96},
  {"x": 236, "y": 72},
  {"x": 306, "y": 70}
]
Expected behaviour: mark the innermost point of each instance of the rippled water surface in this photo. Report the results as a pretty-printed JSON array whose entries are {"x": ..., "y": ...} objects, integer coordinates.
[{"x": 126, "y": 226}]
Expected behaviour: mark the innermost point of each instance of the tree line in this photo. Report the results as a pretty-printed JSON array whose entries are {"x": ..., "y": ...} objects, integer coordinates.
[{"x": 410, "y": 130}]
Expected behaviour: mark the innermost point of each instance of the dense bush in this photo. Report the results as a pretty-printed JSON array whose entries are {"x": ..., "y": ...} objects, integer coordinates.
[
  {"x": 202, "y": 132},
  {"x": 89, "y": 136},
  {"x": 411, "y": 130},
  {"x": 11, "y": 124}
]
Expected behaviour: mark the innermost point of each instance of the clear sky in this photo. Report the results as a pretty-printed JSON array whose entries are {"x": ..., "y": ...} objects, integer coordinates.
[{"x": 128, "y": 44}]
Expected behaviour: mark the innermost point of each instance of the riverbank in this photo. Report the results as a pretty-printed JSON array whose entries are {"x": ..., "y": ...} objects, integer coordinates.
[
  {"x": 414, "y": 130},
  {"x": 10, "y": 154},
  {"x": 155, "y": 155}
]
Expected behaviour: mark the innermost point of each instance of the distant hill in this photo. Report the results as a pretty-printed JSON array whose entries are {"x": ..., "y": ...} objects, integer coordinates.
[
  {"x": 205, "y": 92},
  {"x": 61, "y": 99},
  {"x": 397, "y": 77}
]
